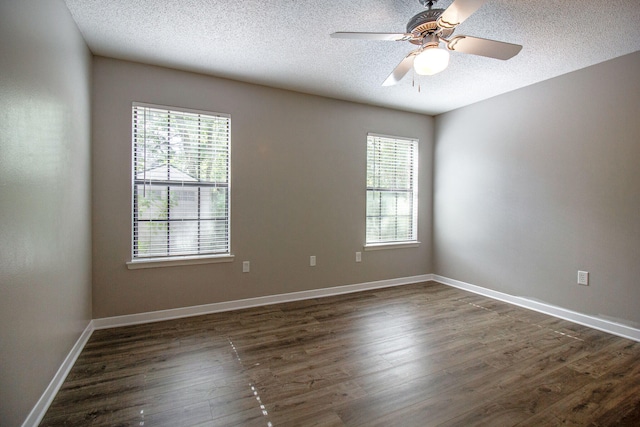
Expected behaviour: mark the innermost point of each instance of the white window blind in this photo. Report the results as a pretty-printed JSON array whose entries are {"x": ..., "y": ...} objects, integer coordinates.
[
  {"x": 181, "y": 182},
  {"x": 392, "y": 192}
]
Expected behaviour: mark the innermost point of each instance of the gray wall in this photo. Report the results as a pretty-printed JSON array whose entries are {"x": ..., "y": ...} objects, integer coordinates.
[
  {"x": 298, "y": 177},
  {"x": 45, "y": 264},
  {"x": 534, "y": 185}
]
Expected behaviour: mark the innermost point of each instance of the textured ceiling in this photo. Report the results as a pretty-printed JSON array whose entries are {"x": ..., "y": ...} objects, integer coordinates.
[{"x": 286, "y": 43}]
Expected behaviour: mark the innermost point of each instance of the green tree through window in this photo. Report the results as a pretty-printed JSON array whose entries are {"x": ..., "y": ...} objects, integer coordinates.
[
  {"x": 181, "y": 182},
  {"x": 392, "y": 192}
]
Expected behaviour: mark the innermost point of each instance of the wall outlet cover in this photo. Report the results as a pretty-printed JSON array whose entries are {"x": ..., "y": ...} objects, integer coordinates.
[{"x": 583, "y": 278}]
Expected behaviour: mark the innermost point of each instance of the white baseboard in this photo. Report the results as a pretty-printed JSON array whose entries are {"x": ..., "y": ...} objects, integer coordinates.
[
  {"x": 562, "y": 313},
  {"x": 175, "y": 313},
  {"x": 40, "y": 408}
]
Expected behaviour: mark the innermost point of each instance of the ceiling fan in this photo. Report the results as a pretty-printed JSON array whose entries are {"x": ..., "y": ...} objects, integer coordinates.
[{"x": 430, "y": 27}]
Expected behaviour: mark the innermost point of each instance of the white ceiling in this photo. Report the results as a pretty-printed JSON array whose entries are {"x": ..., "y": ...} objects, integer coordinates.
[{"x": 286, "y": 43}]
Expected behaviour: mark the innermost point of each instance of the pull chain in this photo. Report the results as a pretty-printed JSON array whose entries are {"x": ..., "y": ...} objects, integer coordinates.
[{"x": 413, "y": 80}]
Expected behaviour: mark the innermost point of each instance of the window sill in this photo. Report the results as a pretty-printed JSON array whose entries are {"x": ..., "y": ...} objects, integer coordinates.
[
  {"x": 175, "y": 261},
  {"x": 383, "y": 246}
]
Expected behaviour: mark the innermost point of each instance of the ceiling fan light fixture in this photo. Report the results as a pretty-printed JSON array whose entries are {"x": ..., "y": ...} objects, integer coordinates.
[{"x": 431, "y": 61}]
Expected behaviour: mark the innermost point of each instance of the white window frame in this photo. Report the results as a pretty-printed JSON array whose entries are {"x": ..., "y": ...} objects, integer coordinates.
[
  {"x": 197, "y": 256},
  {"x": 377, "y": 242}
]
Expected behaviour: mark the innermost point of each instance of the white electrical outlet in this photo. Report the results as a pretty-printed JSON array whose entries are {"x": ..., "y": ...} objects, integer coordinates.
[
  {"x": 245, "y": 266},
  {"x": 358, "y": 256},
  {"x": 312, "y": 260},
  {"x": 583, "y": 278}
]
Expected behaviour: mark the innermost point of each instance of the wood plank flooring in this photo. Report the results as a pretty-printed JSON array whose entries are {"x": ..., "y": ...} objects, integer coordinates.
[{"x": 416, "y": 355}]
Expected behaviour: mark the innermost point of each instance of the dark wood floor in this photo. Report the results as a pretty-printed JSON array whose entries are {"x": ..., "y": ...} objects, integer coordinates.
[{"x": 416, "y": 355}]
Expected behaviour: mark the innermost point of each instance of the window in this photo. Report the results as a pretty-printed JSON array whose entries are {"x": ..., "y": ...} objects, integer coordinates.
[
  {"x": 392, "y": 191},
  {"x": 181, "y": 177}
]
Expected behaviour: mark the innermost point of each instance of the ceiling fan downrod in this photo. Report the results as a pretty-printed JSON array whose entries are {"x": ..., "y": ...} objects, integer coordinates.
[{"x": 427, "y": 3}]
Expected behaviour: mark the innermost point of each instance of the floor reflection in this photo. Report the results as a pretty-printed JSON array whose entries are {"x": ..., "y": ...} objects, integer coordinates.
[{"x": 254, "y": 390}]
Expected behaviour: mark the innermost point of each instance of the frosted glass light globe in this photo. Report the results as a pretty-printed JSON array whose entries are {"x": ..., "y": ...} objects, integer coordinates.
[{"x": 431, "y": 61}]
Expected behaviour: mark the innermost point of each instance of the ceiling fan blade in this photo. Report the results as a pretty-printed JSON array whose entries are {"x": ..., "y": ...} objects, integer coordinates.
[
  {"x": 373, "y": 36},
  {"x": 401, "y": 70},
  {"x": 458, "y": 11},
  {"x": 484, "y": 47}
]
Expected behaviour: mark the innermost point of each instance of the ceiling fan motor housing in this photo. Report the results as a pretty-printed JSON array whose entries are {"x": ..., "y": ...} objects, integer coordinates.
[{"x": 425, "y": 23}]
